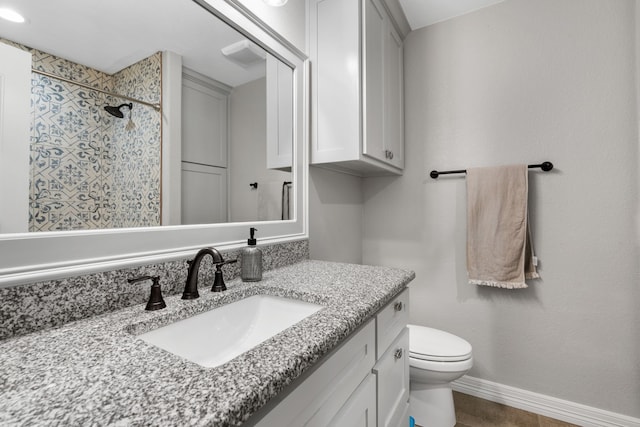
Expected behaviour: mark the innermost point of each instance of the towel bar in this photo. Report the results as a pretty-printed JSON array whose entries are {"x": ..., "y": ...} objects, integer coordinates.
[{"x": 545, "y": 166}]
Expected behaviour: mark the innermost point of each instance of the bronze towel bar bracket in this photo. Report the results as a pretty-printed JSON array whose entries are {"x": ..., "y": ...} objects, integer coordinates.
[{"x": 545, "y": 166}]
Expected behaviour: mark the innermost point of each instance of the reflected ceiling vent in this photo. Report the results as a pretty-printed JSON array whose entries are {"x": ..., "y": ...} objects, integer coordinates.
[{"x": 244, "y": 53}]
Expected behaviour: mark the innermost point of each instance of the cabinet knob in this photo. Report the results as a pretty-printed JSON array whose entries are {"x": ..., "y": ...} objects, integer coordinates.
[
  {"x": 397, "y": 306},
  {"x": 388, "y": 154},
  {"x": 397, "y": 354}
]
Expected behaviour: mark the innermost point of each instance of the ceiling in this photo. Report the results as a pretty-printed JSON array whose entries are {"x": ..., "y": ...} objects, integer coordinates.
[
  {"x": 421, "y": 13},
  {"x": 111, "y": 35}
]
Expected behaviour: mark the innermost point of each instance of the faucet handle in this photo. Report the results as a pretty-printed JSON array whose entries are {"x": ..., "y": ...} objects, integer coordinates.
[
  {"x": 230, "y": 261},
  {"x": 155, "y": 298},
  {"x": 218, "y": 281}
]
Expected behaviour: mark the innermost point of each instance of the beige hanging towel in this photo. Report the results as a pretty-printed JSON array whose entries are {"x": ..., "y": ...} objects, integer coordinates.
[{"x": 499, "y": 250}]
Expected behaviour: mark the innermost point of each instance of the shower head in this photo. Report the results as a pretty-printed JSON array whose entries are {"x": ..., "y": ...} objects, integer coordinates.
[{"x": 116, "y": 112}]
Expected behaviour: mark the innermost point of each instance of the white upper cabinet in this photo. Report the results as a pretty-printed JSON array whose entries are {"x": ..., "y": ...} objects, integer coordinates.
[
  {"x": 394, "y": 98},
  {"x": 357, "y": 88},
  {"x": 279, "y": 115}
]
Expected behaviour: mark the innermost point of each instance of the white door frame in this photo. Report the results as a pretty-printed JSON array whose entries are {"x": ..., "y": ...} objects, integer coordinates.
[{"x": 15, "y": 118}]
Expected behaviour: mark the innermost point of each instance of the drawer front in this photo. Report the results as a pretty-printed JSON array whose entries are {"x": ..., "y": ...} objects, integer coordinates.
[
  {"x": 391, "y": 321},
  {"x": 392, "y": 375}
]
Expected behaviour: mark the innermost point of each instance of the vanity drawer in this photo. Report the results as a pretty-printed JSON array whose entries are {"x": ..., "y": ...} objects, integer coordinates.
[
  {"x": 391, "y": 321},
  {"x": 392, "y": 378}
]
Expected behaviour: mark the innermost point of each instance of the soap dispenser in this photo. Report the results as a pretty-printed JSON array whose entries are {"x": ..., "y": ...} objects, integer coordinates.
[{"x": 251, "y": 256}]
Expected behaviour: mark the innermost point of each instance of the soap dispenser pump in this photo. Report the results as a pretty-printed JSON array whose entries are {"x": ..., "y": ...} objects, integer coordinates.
[{"x": 251, "y": 260}]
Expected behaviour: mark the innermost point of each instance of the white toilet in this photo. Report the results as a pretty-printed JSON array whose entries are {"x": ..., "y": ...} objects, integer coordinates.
[{"x": 435, "y": 358}]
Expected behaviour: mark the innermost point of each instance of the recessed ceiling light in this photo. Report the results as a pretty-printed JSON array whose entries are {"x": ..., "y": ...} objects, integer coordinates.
[
  {"x": 11, "y": 15},
  {"x": 276, "y": 3}
]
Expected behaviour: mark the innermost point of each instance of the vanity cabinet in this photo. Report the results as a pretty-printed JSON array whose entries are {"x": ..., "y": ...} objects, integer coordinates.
[
  {"x": 364, "y": 382},
  {"x": 392, "y": 366},
  {"x": 357, "y": 88},
  {"x": 332, "y": 391},
  {"x": 360, "y": 409}
]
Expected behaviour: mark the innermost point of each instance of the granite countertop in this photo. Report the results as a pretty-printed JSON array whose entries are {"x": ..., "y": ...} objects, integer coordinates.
[{"x": 96, "y": 372}]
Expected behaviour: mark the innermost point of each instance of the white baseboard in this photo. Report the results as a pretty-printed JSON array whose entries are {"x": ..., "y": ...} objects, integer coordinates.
[{"x": 537, "y": 403}]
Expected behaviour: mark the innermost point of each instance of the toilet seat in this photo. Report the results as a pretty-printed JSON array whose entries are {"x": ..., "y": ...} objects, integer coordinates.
[
  {"x": 431, "y": 344},
  {"x": 440, "y": 368}
]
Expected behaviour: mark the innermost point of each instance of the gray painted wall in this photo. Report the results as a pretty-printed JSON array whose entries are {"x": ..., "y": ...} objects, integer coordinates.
[
  {"x": 335, "y": 199},
  {"x": 248, "y": 157},
  {"x": 335, "y": 216},
  {"x": 521, "y": 82}
]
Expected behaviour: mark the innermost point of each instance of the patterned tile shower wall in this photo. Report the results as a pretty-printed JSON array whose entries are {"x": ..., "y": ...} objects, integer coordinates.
[
  {"x": 68, "y": 136},
  {"x": 87, "y": 171},
  {"x": 135, "y": 154}
]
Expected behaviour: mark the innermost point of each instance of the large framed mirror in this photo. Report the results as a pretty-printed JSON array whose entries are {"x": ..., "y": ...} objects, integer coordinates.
[{"x": 150, "y": 134}]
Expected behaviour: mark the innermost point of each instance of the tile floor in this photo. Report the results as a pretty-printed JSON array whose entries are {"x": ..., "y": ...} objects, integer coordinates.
[{"x": 475, "y": 412}]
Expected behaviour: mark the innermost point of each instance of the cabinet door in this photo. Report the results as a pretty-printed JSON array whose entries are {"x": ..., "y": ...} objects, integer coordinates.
[
  {"x": 394, "y": 99},
  {"x": 360, "y": 409},
  {"x": 335, "y": 92},
  {"x": 392, "y": 374},
  {"x": 320, "y": 397},
  {"x": 204, "y": 123},
  {"x": 383, "y": 81},
  {"x": 373, "y": 98}
]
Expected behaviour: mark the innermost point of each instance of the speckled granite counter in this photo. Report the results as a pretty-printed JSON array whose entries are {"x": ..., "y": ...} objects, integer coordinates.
[{"x": 96, "y": 372}]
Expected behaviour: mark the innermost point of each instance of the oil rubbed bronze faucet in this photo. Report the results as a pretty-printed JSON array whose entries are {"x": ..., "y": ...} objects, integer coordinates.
[
  {"x": 156, "y": 302},
  {"x": 191, "y": 287}
]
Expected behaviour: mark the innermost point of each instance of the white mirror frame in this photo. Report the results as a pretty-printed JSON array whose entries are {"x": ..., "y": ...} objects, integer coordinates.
[{"x": 31, "y": 257}]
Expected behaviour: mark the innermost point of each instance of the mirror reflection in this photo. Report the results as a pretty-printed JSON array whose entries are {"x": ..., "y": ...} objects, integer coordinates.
[{"x": 98, "y": 112}]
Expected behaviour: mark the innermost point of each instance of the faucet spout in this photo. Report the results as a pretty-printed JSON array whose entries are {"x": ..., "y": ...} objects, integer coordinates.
[{"x": 191, "y": 287}]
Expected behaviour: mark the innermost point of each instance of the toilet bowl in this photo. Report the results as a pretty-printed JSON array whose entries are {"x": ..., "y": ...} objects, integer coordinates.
[{"x": 436, "y": 358}]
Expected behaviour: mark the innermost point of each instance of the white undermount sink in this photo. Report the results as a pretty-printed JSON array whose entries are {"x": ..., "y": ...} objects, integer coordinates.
[{"x": 218, "y": 335}]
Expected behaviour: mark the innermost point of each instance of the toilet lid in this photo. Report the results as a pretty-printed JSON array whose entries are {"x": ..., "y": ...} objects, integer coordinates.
[{"x": 433, "y": 344}]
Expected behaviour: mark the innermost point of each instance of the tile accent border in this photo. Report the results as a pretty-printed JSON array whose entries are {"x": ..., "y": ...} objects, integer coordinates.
[
  {"x": 47, "y": 304},
  {"x": 537, "y": 403}
]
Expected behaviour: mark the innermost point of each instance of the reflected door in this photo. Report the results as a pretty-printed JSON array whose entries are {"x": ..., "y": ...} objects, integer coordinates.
[
  {"x": 204, "y": 194},
  {"x": 205, "y": 112}
]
